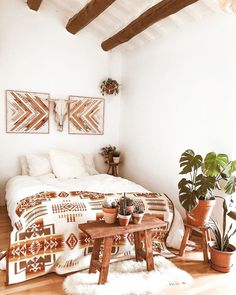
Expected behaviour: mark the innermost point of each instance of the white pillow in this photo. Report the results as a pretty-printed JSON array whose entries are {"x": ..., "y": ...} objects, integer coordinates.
[
  {"x": 38, "y": 165},
  {"x": 67, "y": 165},
  {"x": 90, "y": 165},
  {"x": 24, "y": 166}
]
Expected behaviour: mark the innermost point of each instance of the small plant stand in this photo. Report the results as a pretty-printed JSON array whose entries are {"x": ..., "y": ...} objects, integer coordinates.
[
  {"x": 113, "y": 168},
  {"x": 206, "y": 238},
  {"x": 99, "y": 231}
]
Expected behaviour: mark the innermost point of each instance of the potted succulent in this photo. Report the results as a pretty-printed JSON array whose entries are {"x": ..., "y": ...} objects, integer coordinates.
[
  {"x": 222, "y": 251},
  {"x": 109, "y": 87},
  {"x": 137, "y": 215},
  {"x": 110, "y": 210},
  {"x": 203, "y": 176},
  {"x": 124, "y": 212},
  {"x": 107, "y": 153},
  {"x": 116, "y": 156}
]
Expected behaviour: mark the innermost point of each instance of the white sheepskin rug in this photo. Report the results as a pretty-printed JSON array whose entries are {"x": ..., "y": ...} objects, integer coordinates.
[{"x": 128, "y": 278}]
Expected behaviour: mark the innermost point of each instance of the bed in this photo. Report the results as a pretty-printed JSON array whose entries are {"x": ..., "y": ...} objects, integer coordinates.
[{"x": 45, "y": 212}]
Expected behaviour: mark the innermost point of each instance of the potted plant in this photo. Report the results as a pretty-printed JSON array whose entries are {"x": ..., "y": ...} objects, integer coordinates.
[
  {"x": 116, "y": 156},
  {"x": 137, "y": 215},
  {"x": 109, "y": 87},
  {"x": 107, "y": 153},
  {"x": 129, "y": 203},
  {"x": 203, "y": 176},
  {"x": 124, "y": 213},
  {"x": 110, "y": 210},
  {"x": 222, "y": 251}
]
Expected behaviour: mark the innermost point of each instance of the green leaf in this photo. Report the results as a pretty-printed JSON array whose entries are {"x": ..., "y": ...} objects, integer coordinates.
[
  {"x": 188, "y": 198},
  {"x": 184, "y": 182},
  {"x": 224, "y": 175},
  {"x": 233, "y": 233},
  {"x": 215, "y": 163},
  {"x": 232, "y": 168},
  {"x": 217, "y": 233},
  {"x": 204, "y": 184},
  {"x": 232, "y": 214},
  {"x": 230, "y": 185},
  {"x": 190, "y": 162}
]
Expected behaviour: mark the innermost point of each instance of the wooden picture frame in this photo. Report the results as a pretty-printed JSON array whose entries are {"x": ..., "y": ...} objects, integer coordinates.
[
  {"x": 27, "y": 112},
  {"x": 86, "y": 115}
]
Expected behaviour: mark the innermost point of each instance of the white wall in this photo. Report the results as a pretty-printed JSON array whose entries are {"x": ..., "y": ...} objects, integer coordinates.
[
  {"x": 38, "y": 54},
  {"x": 179, "y": 93}
]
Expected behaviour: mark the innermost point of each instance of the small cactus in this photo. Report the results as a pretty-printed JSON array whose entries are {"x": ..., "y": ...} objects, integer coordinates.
[
  {"x": 124, "y": 202},
  {"x": 138, "y": 210}
]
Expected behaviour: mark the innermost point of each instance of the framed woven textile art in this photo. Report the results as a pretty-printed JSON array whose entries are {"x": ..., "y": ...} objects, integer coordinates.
[
  {"x": 27, "y": 112},
  {"x": 86, "y": 115}
]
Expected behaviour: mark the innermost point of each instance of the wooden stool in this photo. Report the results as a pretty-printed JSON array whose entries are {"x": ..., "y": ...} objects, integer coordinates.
[
  {"x": 100, "y": 231},
  {"x": 206, "y": 238},
  {"x": 113, "y": 168}
]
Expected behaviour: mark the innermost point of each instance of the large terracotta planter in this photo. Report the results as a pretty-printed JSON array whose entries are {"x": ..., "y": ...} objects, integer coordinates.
[
  {"x": 200, "y": 215},
  {"x": 222, "y": 261},
  {"x": 110, "y": 214}
]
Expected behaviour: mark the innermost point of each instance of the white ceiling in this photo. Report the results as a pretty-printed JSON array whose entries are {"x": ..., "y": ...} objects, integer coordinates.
[{"x": 122, "y": 12}]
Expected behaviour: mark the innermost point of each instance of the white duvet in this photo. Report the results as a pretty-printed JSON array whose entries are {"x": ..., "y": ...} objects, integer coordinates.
[{"x": 20, "y": 187}]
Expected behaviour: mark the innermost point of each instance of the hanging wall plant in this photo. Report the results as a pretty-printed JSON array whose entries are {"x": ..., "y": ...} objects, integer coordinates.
[{"x": 109, "y": 87}]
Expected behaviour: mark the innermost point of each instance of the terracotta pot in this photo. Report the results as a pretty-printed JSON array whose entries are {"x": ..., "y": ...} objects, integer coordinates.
[
  {"x": 200, "y": 215},
  {"x": 124, "y": 219},
  {"x": 110, "y": 89},
  {"x": 222, "y": 261},
  {"x": 137, "y": 217},
  {"x": 110, "y": 214}
]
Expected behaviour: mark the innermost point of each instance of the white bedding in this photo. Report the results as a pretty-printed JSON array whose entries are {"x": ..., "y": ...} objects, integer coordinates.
[{"x": 21, "y": 186}]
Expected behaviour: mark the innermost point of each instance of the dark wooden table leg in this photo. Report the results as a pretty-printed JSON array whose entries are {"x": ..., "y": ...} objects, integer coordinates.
[
  {"x": 95, "y": 254},
  {"x": 109, "y": 167},
  {"x": 205, "y": 245},
  {"x": 138, "y": 246},
  {"x": 105, "y": 260},
  {"x": 184, "y": 240},
  {"x": 149, "y": 251},
  {"x": 116, "y": 170}
]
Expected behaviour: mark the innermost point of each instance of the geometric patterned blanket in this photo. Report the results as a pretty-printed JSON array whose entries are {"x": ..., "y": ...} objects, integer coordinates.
[{"x": 46, "y": 237}]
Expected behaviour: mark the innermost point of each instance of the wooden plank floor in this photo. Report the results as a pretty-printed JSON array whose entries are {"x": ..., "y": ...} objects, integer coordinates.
[{"x": 206, "y": 280}]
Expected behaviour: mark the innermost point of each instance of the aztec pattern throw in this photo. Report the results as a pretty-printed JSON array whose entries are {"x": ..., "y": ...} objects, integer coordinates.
[
  {"x": 46, "y": 238},
  {"x": 27, "y": 112},
  {"x": 86, "y": 115}
]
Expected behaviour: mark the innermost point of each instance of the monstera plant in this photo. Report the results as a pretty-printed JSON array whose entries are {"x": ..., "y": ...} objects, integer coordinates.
[{"x": 202, "y": 177}]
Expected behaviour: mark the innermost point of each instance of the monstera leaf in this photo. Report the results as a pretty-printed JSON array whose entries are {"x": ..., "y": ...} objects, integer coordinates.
[
  {"x": 205, "y": 184},
  {"x": 232, "y": 214},
  {"x": 232, "y": 168},
  {"x": 189, "y": 161},
  {"x": 187, "y": 196},
  {"x": 214, "y": 163},
  {"x": 230, "y": 185}
]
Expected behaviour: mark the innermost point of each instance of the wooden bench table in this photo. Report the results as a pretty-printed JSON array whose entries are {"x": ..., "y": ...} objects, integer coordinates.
[{"x": 99, "y": 231}]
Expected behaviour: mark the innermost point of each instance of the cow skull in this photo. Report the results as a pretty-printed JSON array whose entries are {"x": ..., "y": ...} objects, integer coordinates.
[{"x": 60, "y": 110}]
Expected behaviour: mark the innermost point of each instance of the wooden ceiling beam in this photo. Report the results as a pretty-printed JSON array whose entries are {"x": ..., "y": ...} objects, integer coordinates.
[
  {"x": 34, "y": 4},
  {"x": 85, "y": 16},
  {"x": 154, "y": 14}
]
